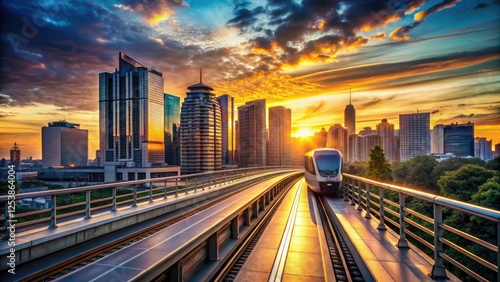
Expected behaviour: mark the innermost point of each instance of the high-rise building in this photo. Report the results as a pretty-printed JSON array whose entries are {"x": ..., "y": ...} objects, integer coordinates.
[
  {"x": 226, "y": 103},
  {"x": 482, "y": 148},
  {"x": 280, "y": 136},
  {"x": 350, "y": 117},
  {"x": 367, "y": 131},
  {"x": 172, "y": 118},
  {"x": 337, "y": 138},
  {"x": 131, "y": 114},
  {"x": 15, "y": 157},
  {"x": 360, "y": 146},
  {"x": 252, "y": 134},
  {"x": 497, "y": 150},
  {"x": 459, "y": 139},
  {"x": 437, "y": 139},
  {"x": 64, "y": 144},
  {"x": 386, "y": 132},
  {"x": 319, "y": 138},
  {"x": 201, "y": 130},
  {"x": 415, "y": 137}
]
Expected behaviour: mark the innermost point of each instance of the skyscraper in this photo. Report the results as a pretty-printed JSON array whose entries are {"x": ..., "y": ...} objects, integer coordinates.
[
  {"x": 131, "y": 114},
  {"x": 226, "y": 103},
  {"x": 280, "y": 136},
  {"x": 337, "y": 138},
  {"x": 252, "y": 134},
  {"x": 171, "y": 136},
  {"x": 201, "y": 130},
  {"x": 414, "y": 135},
  {"x": 350, "y": 117},
  {"x": 459, "y": 139},
  {"x": 437, "y": 139},
  {"x": 15, "y": 157},
  {"x": 386, "y": 132},
  {"x": 482, "y": 148},
  {"x": 64, "y": 144}
]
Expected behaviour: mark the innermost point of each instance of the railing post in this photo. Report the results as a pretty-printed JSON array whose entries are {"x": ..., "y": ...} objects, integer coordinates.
[
  {"x": 345, "y": 187},
  {"x": 134, "y": 203},
  {"x": 165, "y": 191},
  {"x": 53, "y": 212},
  {"x": 498, "y": 252},
  {"x": 381, "y": 224},
  {"x": 7, "y": 218},
  {"x": 87, "y": 204},
  {"x": 438, "y": 270},
  {"x": 195, "y": 183},
  {"x": 360, "y": 208},
  {"x": 113, "y": 195},
  {"x": 186, "y": 187},
  {"x": 176, "y": 187},
  {"x": 368, "y": 211},
  {"x": 352, "y": 202},
  {"x": 402, "y": 243}
]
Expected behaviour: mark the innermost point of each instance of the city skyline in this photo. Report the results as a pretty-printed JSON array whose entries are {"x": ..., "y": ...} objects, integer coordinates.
[{"x": 432, "y": 56}]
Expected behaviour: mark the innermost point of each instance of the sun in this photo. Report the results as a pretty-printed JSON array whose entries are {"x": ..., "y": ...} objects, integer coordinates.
[{"x": 303, "y": 132}]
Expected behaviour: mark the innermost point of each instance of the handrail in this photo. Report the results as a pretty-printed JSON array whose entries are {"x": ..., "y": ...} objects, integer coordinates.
[{"x": 389, "y": 210}]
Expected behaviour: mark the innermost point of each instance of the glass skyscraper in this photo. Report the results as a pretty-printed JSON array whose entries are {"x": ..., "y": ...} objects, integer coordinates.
[
  {"x": 201, "y": 130},
  {"x": 64, "y": 144},
  {"x": 226, "y": 103},
  {"x": 280, "y": 136},
  {"x": 252, "y": 134},
  {"x": 350, "y": 117},
  {"x": 459, "y": 139},
  {"x": 415, "y": 135},
  {"x": 386, "y": 132},
  {"x": 131, "y": 114},
  {"x": 172, "y": 123}
]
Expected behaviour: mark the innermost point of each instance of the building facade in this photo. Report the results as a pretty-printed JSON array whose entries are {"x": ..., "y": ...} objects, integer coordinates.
[
  {"x": 64, "y": 144},
  {"x": 337, "y": 138},
  {"x": 131, "y": 115},
  {"x": 350, "y": 117},
  {"x": 280, "y": 136},
  {"x": 15, "y": 157},
  {"x": 172, "y": 120},
  {"x": 252, "y": 134},
  {"x": 414, "y": 135},
  {"x": 201, "y": 130},
  {"x": 226, "y": 103},
  {"x": 482, "y": 148},
  {"x": 437, "y": 139},
  {"x": 386, "y": 132},
  {"x": 459, "y": 139}
]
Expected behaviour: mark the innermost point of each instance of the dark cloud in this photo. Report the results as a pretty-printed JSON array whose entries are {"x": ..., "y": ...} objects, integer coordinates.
[
  {"x": 435, "y": 111},
  {"x": 401, "y": 33},
  {"x": 244, "y": 17},
  {"x": 462, "y": 105},
  {"x": 420, "y": 16},
  {"x": 374, "y": 101},
  {"x": 480, "y": 6}
]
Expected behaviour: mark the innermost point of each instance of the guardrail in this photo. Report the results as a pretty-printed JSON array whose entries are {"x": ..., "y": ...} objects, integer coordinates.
[
  {"x": 118, "y": 195},
  {"x": 393, "y": 212}
]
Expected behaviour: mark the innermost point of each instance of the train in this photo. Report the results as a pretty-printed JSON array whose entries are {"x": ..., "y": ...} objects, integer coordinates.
[{"x": 323, "y": 170}]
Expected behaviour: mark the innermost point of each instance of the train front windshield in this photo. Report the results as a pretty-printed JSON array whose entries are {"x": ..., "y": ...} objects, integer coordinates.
[{"x": 328, "y": 165}]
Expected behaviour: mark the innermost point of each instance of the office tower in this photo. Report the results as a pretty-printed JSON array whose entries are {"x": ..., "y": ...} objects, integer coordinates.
[
  {"x": 360, "y": 146},
  {"x": 320, "y": 138},
  {"x": 497, "y": 150},
  {"x": 386, "y": 132},
  {"x": 350, "y": 117},
  {"x": 415, "y": 138},
  {"x": 396, "y": 145},
  {"x": 353, "y": 151},
  {"x": 201, "y": 130},
  {"x": 280, "y": 136},
  {"x": 226, "y": 103},
  {"x": 252, "y": 134},
  {"x": 64, "y": 144},
  {"x": 171, "y": 136},
  {"x": 482, "y": 148},
  {"x": 131, "y": 114},
  {"x": 337, "y": 138},
  {"x": 437, "y": 139},
  {"x": 459, "y": 139},
  {"x": 15, "y": 157},
  {"x": 366, "y": 131}
]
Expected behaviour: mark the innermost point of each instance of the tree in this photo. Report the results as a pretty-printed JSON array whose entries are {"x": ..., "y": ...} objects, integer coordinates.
[
  {"x": 494, "y": 164},
  {"x": 488, "y": 194},
  {"x": 462, "y": 183},
  {"x": 452, "y": 164},
  {"x": 356, "y": 168},
  {"x": 5, "y": 187},
  {"x": 416, "y": 171},
  {"x": 378, "y": 167}
]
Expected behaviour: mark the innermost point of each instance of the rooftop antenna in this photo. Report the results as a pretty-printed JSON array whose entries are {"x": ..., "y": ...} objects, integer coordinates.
[
  {"x": 201, "y": 75},
  {"x": 349, "y": 96}
]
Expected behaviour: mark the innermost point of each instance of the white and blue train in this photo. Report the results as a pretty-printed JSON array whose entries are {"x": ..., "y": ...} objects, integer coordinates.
[{"x": 323, "y": 170}]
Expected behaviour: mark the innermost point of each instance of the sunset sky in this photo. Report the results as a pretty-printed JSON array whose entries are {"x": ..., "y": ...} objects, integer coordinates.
[{"x": 397, "y": 56}]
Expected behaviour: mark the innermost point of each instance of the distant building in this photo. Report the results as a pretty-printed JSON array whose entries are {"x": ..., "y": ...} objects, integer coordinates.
[
  {"x": 252, "y": 134},
  {"x": 15, "y": 157},
  {"x": 360, "y": 146},
  {"x": 366, "y": 131},
  {"x": 497, "y": 150},
  {"x": 482, "y": 148},
  {"x": 280, "y": 136},
  {"x": 414, "y": 134},
  {"x": 350, "y": 117},
  {"x": 131, "y": 115},
  {"x": 226, "y": 103},
  {"x": 386, "y": 132},
  {"x": 64, "y": 144},
  {"x": 201, "y": 130},
  {"x": 172, "y": 108},
  {"x": 337, "y": 138},
  {"x": 459, "y": 139},
  {"x": 319, "y": 138},
  {"x": 437, "y": 139}
]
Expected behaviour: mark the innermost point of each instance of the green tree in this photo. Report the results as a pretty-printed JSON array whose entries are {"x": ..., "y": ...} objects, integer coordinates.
[
  {"x": 462, "y": 183},
  {"x": 416, "y": 171},
  {"x": 488, "y": 194},
  {"x": 450, "y": 165},
  {"x": 4, "y": 186},
  {"x": 356, "y": 168},
  {"x": 378, "y": 167},
  {"x": 494, "y": 164}
]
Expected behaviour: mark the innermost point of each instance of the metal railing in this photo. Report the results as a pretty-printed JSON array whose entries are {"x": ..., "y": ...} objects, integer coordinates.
[
  {"x": 389, "y": 205},
  {"x": 117, "y": 195}
]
